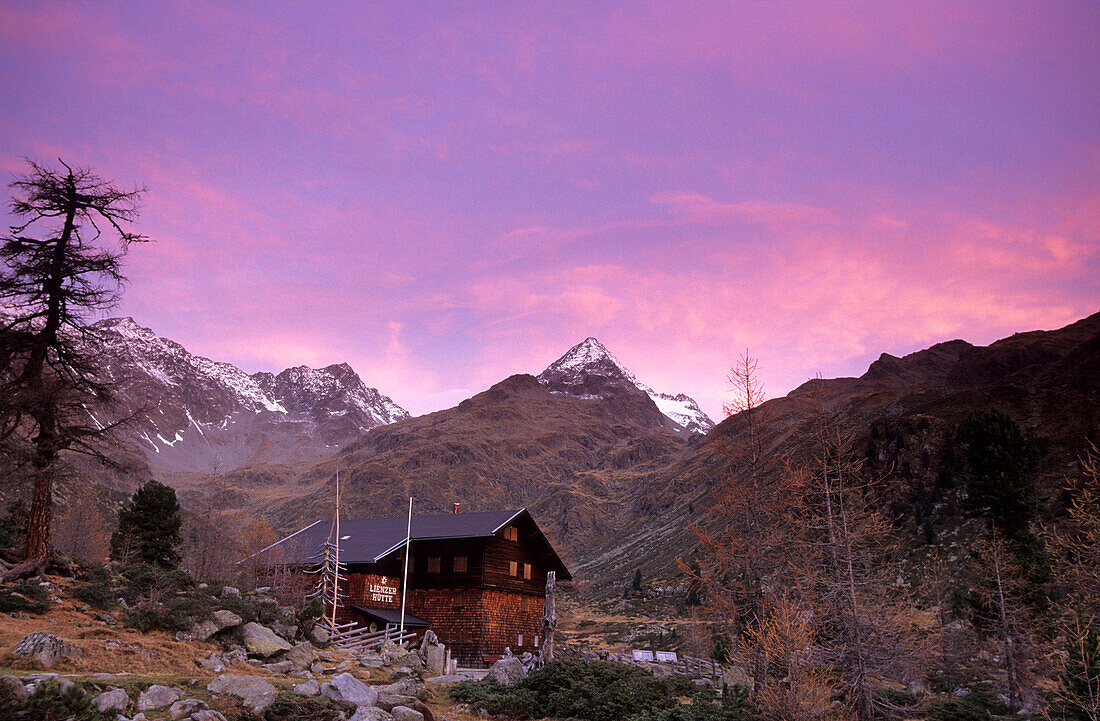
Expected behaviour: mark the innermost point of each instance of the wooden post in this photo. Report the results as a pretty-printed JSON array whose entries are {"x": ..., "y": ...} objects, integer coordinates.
[{"x": 549, "y": 621}]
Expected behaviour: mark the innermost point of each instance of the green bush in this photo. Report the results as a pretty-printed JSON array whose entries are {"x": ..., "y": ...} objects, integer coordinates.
[
  {"x": 13, "y": 525},
  {"x": 249, "y": 608},
  {"x": 290, "y": 706},
  {"x": 143, "y": 580},
  {"x": 598, "y": 691},
  {"x": 705, "y": 706},
  {"x": 975, "y": 706},
  {"x": 96, "y": 588},
  {"x": 50, "y": 703},
  {"x": 311, "y": 611},
  {"x": 24, "y": 596},
  {"x": 175, "y": 614}
]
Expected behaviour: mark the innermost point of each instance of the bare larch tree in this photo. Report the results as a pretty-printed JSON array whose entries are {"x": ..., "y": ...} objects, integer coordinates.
[{"x": 50, "y": 288}]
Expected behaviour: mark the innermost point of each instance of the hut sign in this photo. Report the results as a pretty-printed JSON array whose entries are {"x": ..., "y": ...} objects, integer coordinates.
[{"x": 381, "y": 592}]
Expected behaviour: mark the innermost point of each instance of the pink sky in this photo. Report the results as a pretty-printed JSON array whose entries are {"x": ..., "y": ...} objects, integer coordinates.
[{"x": 443, "y": 194}]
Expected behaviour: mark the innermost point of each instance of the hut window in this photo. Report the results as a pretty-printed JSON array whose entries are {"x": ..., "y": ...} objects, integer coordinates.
[
  {"x": 460, "y": 564},
  {"x": 536, "y": 640},
  {"x": 513, "y": 568},
  {"x": 519, "y": 641},
  {"x": 433, "y": 564},
  {"x": 527, "y": 571},
  {"x": 511, "y": 533}
]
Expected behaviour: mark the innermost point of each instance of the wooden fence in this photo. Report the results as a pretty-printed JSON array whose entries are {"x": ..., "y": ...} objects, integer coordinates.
[
  {"x": 352, "y": 637},
  {"x": 689, "y": 666}
]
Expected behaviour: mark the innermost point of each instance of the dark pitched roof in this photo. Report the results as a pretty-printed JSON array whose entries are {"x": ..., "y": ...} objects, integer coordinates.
[{"x": 369, "y": 540}]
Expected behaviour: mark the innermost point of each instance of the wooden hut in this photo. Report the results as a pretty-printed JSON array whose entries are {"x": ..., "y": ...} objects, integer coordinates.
[{"x": 476, "y": 579}]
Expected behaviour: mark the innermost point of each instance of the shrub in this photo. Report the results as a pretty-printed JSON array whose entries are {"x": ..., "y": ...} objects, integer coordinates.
[
  {"x": 13, "y": 525},
  {"x": 597, "y": 691},
  {"x": 289, "y": 706},
  {"x": 50, "y": 703},
  {"x": 311, "y": 611},
  {"x": 705, "y": 706},
  {"x": 96, "y": 588},
  {"x": 975, "y": 706},
  {"x": 250, "y": 608},
  {"x": 175, "y": 614},
  {"x": 24, "y": 596},
  {"x": 143, "y": 581}
]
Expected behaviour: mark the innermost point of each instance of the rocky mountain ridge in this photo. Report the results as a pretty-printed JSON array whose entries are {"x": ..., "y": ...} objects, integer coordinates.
[{"x": 195, "y": 414}]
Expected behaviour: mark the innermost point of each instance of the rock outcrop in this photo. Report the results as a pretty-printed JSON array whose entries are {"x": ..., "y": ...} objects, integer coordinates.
[{"x": 45, "y": 648}]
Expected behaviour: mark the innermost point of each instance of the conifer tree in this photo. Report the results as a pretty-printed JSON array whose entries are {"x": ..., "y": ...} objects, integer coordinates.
[
  {"x": 1000, "y": 479},
  {"x": 149, "y": 527}
]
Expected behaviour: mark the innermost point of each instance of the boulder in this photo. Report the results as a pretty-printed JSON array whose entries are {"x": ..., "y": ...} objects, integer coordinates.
[
  {"x": 309, "y": 688},
  {"x": 226, "y": 619},
  {"x": 399, "y": 672},
  {"x": 231, "y": 591},
  {"x": 404, "y": 713},
  {"x": 201, "y": 631},
  {"x": 114, "y": 700},
  {"x": 435, "y": 659},
  {"x": 370, "y": 713},
  {"x": 300, "y": 657},
  {"x": 349, "y": 689},
  {"x": 261, "y": 641},
  {"x": 212, "y": 663},
  {"x": 508, "y": 671},
  {"x": 394, "y": 655},
  {"x": 280, "y": 667},
  {"x": 11, "y": 689},
  {"x": 186, "y": 707},
  {"x": 235, "y": 655},
  {"x": 156, "y": 697},
  {"x": 389, "y": 702},
  {"x": 318, "y": 634},
  {"x": 207, "y": 715},
  {"x": 254, "y": 692},
  {"x": 45, "y": 648},
  {"x": 405, "y": 687}
]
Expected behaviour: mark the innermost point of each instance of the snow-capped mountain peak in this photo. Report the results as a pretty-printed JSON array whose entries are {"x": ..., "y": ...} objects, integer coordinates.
[
  {"x": 587, "y": 357},
  {"x": 574, "y": 372}
]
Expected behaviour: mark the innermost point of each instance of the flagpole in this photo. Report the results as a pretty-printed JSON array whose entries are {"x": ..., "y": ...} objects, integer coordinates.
[
  {"x": 405, "y": 577},
  {"x": 336, "y": 574}
]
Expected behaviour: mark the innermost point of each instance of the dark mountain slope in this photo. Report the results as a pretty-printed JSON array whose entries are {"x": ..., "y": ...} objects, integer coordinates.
[{"x": 516, "y": 444}]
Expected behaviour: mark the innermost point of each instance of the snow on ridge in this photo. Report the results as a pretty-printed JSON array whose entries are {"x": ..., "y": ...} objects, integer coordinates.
[
  {"x": 340, "y": 382},
  {"x": 591, "y": 356},
  {"x": 156, "y": 356}
]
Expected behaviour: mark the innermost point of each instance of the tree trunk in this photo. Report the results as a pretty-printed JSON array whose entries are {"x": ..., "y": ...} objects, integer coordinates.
[
  {"x": 41, "y": 511},
  {"x": 549, "y": 621}
]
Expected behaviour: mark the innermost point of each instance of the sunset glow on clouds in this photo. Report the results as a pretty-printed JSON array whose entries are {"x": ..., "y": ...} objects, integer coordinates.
[{"x": 443, "y": 194}]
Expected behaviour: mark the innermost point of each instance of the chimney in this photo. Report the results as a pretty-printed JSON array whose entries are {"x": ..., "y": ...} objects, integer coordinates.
[{"x": 455, "y": 509}]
